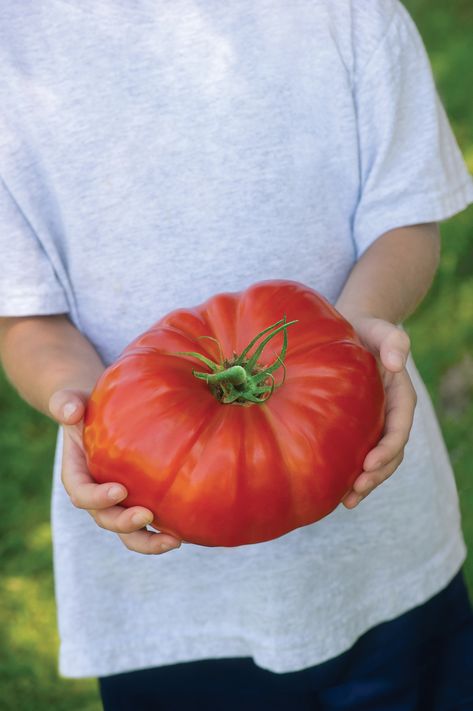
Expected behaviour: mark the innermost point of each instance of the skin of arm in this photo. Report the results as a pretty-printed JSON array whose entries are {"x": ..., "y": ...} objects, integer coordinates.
[{"x": 384, "y": 287}]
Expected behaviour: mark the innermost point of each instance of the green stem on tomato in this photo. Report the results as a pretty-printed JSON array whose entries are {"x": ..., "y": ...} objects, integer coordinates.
[{"x": 241, "y": 381}]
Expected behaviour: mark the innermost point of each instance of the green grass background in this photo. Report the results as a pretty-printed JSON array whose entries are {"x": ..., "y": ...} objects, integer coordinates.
[{"x": 442, "y": 336}]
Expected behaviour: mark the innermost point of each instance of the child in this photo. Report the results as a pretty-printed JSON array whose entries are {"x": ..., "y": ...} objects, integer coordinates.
[{"x": 154, "y": 154}]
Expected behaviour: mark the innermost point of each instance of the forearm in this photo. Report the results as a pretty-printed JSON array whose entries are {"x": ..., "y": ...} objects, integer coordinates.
[
  {"x": 394, "y": 274},
  {"x": 43, "y": 354}
]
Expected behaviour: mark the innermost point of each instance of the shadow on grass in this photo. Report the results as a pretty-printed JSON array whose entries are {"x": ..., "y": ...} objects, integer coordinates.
[{"x": 28, "y": 634}]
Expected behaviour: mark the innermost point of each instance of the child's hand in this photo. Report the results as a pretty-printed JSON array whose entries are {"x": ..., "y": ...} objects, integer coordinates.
[
  {"x": 391, "y": 347},
  {"x": 68, "y": 407}
]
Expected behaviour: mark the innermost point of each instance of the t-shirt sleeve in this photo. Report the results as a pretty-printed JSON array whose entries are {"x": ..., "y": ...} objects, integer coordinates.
[
  {"x": 28, "y": 282},
  {"x": 411, "y": 168}
]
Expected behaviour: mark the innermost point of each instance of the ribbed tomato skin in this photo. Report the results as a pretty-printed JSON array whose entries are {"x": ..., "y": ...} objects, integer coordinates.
[{"x": 229, "y": 474}]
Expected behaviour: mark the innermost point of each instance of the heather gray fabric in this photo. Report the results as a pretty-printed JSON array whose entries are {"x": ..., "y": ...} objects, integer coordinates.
[{"x": 157, "y": 152}]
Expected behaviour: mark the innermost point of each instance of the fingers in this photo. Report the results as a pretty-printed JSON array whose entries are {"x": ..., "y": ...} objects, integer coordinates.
[
  {"x": 382, "y": 461},
  {"x": 83, "y": 491},
  {"x": 100, "y": 499},
  {"x": 129, "y": 524},
  {"x": 367, "y": 482},
  {"x": 91, "y": 496},
  {"x": 148, "y": 542},
  {"x": 121, "y": 520},
  {"x": 400, "y": 406},
  {"x": 67, "y": 406},
  {"x": 394, "y": 349},
  {"x": 386, "y": 339}
]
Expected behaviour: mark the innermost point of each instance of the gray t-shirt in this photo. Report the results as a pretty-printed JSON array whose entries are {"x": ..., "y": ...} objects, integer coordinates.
[{"x": 157, "y": 152}]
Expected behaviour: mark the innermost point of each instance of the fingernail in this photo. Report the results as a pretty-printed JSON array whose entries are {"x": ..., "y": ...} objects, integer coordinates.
[
  {"x": 116, "y": 493},
  {"x": 140, "y": 519},
  {"x": 396, "y": 359},
  {"x": 69, "y": 409}
]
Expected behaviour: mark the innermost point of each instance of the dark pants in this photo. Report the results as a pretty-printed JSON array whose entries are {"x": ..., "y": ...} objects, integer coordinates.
[{"x": 421, "y": 661}]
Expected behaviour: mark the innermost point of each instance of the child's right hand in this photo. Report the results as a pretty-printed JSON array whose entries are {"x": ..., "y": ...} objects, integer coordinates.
[{"x": 100, "y": 500}]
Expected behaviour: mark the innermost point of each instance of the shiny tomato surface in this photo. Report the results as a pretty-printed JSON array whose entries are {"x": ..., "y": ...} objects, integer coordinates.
[{"x": 227, "y": 474}]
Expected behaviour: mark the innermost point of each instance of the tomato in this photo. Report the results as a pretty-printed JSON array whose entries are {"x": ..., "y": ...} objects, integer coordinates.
[{"x": 228, "y": 444}]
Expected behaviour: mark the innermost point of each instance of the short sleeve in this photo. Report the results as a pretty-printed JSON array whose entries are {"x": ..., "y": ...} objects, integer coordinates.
[
  {"x": 411, "y": 168},
  {"x": 28, "y": 282}
]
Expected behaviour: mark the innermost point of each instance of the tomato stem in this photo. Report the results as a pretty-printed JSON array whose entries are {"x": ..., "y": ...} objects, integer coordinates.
[
  {"x": 236, "y": 375},
  {"x": 242, "y": 381}
]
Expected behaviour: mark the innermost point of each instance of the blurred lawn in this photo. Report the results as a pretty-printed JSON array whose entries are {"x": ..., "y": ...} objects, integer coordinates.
[{"x": 442, "y": 337}]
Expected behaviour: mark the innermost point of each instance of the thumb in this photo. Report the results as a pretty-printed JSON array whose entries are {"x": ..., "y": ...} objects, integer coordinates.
[
  {"x": 68, "y": 406},
  {"x": 392, "y": 343}
]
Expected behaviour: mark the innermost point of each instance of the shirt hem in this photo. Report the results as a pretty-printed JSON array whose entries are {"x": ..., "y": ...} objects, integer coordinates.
[
  {"x": 423, "y": 208},
  {"x": 121, "y": 656},
  {"x": 33, "y": 305}
]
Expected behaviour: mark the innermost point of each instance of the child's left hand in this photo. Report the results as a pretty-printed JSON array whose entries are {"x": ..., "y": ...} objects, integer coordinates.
[{"x": 390, "y": 345}]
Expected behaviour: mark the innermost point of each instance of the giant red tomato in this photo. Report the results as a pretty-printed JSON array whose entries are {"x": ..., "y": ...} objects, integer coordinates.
[{"x": 229, "y": 445}]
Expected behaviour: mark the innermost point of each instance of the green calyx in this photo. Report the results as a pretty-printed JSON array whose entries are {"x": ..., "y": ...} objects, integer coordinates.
[{"x": 242, "y": 380}]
